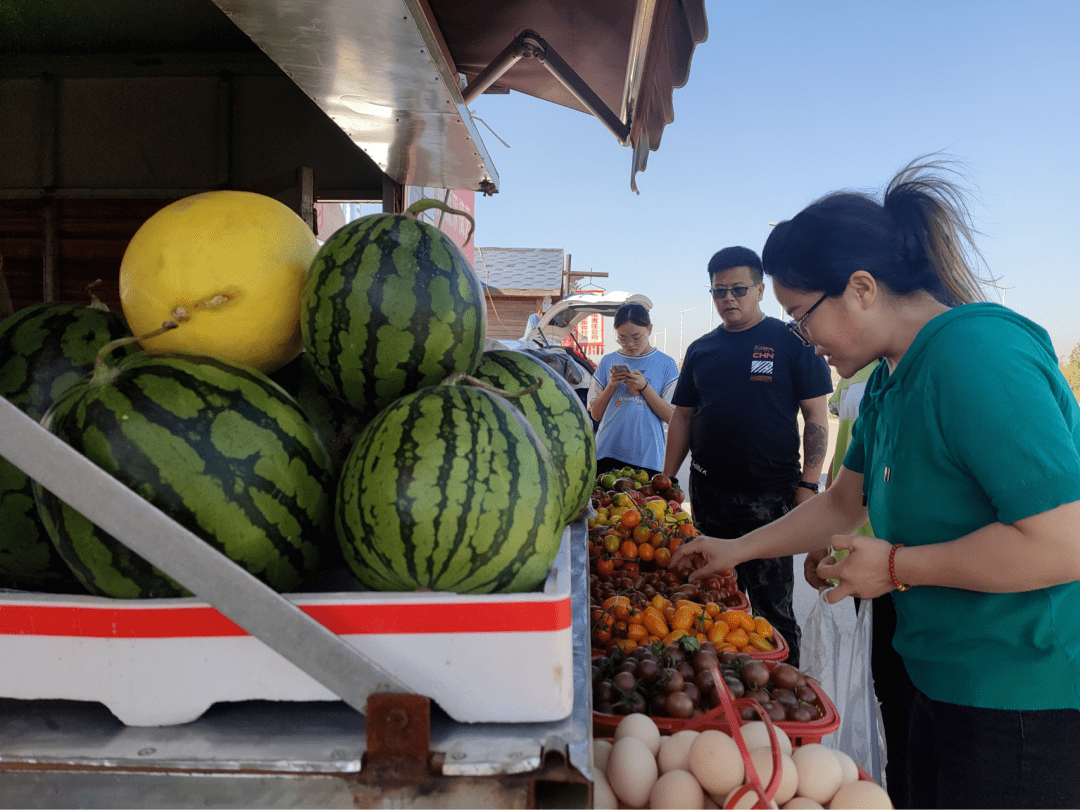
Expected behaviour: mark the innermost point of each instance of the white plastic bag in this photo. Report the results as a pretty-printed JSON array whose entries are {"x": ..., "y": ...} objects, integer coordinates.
[{"x": 840, "y": 662}]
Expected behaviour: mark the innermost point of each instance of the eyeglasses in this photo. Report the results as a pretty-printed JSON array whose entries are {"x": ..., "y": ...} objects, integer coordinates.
[
  {"x": 721, "y": 292},
  {"x": 630, "y": 338},
  {"x": 796, "y": 326}
]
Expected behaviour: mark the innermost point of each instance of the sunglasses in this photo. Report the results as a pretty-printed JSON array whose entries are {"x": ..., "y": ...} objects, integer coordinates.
[
  {"x": 738, "y": 292},
  {"x": 796, "y": 326}
]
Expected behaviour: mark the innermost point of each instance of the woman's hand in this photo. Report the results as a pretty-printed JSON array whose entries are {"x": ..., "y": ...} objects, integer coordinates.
[
  {"x": 810, "y": 565},
  {"x": 863, "y": 573},
  {"x": 704, "y": 557},
  {"x": 635, "y": 381}
]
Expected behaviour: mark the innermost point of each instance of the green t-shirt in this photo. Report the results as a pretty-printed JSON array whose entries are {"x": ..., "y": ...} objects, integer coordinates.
[{"x": 976, "y": 425}]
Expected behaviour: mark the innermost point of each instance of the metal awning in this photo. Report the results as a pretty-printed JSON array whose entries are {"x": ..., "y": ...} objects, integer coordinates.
[{"x": 390, "y": 73}]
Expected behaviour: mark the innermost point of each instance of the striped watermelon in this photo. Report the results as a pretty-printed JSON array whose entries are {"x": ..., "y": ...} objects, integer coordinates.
[
  {"x": 555, "y": 411},
  {"x": 44, "y": 350},
  {"x": 390, "y": 306},
  {"x": 449, "y": 489},
  {"x": 217, "y": 446}
]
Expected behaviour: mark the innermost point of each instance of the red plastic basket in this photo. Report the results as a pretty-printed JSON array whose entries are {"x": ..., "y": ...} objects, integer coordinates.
[{"x": 811, "y": 731}]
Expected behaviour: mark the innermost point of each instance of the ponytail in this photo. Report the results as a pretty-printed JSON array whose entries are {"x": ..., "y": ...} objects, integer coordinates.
[
  {"x": 919, "y": 237},
  {"x": 934, "y": 225}
]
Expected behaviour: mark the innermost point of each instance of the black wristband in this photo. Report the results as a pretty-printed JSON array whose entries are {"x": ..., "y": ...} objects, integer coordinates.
[{"x": 810, "y": 485}]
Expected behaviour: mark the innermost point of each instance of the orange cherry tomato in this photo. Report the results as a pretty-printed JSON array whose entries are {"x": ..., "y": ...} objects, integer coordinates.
[
  {"x": 630, "y": 518},
  {"x": 646, "y": 552},
  {"x": 605, "y": 566},
  {"x": 738, "y": 638},
  {"x": 718, "y": 631},
  {"x": 662, "y": 557},
  {"x": 687, "y": 530},
  {"x": 628, "y": 550},
  {"x": 762, "y": 627},
  {"x": 641, "y": 534},
  {"x": 759, "y": 643},
  {"x": 655, "y": 622}
]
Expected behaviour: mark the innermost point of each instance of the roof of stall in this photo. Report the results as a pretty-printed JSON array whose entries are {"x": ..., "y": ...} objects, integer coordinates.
[
  {"x": 391, "y": 73},
  {"x": 395, "y": 75}
]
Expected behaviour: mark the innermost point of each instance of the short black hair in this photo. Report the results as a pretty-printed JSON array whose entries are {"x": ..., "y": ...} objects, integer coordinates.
[
  {"x": 634, "y": 313},
  {"x": 736, "y": 257}
]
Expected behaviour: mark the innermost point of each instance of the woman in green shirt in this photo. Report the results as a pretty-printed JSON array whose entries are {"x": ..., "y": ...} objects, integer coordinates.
[{"x": 966, "y": 459}]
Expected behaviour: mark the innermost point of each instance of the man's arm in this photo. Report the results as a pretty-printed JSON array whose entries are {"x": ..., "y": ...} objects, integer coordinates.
[
  {"x": 815, "y": 414},
  {"x": 678, "y": 440}
]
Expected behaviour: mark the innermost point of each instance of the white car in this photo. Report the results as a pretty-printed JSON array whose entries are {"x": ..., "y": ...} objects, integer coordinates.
[{"x": 543, "y": 338}]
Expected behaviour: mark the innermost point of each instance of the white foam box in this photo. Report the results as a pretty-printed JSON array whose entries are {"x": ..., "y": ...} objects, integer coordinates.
[{"x": 155, "y": 662}]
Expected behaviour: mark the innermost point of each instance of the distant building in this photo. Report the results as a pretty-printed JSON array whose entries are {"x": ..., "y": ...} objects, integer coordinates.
[{"x": 519, "y": 282}]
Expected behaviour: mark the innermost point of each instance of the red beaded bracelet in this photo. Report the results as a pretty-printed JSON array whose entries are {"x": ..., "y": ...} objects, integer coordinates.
[{"x": 892, "y": 568}]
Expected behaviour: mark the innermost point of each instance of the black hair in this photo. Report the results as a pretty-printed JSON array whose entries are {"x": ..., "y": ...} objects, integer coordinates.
[
  {"x": 918, "y": 238},
  {"x": 736, "y": 257},
  {"x": 634, "y": 313}
]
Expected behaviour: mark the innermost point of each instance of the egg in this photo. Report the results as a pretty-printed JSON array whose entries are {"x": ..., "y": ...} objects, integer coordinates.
[
  {"x": 601, "y": 749},
  {"x": 675, "y": 750},
  {"x": 756, "y": 735},
  {"x": 800, "y": 803},
  {"x": 716, "y": 762},
  {"x": 603, "y": 796},
  {"x": 848, "y": 766},
  {"x": 820, "y": 772},
  {"x": 677, "y": 789},
  {"x": 744, "y": 796},
  {"x": 632, "y": 771},
  {"x": 761, "y": 759},
  {"x": 641, "y": 726},
  {"x": 861, "y": 795}
]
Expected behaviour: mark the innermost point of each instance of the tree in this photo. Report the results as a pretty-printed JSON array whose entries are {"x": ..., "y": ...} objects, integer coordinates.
[{"x": 1071, "y": 369}]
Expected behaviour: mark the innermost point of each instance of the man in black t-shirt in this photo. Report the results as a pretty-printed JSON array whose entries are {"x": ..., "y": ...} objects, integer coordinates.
[{"x": 740, "y": 391}]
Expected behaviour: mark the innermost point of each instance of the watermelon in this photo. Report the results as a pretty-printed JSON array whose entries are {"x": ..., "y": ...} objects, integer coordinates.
[
  {"x": 390, "y": 306},
  {"x": 44, "y": 350},
  {"x": 449, "y": 489},
  {"x": 555, "y": 411},
  {"x": 216, "y": 446}
]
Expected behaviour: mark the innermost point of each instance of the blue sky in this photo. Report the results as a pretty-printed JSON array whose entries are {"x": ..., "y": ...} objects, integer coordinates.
[{"x": 787, "y": 101}]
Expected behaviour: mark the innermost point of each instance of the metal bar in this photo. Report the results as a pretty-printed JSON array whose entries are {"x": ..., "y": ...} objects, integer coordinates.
[
  {"x": 198, "y": 566},
  {"x": 558, "y": 68},
  {"x": 495, "y": 69},
  {"x": 50, "y": 282}
]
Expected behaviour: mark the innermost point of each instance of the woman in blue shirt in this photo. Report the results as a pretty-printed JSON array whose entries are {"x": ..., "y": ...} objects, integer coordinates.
[
  {"x": 966, "y": 458},
  {"x": 631, "y": 397}
]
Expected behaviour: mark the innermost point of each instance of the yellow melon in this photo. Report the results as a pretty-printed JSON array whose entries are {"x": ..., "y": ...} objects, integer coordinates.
[{"x": 228, "y": 267}]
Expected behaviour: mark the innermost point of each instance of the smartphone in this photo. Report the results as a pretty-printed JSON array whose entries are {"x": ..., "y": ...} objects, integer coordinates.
[{"x": 619, "y": 368}]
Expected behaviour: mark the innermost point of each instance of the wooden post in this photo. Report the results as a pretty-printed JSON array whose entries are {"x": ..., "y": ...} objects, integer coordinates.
[{"x": 6, "y": 306}]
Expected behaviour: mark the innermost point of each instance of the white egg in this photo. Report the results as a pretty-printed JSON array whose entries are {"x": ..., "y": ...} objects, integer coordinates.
[
  {"x": 747, "y": 797},
  {"x": 800, "y": 803},
  {"x": 761, "y": 759},
  {"x": 677, "y": 789},
  {"x": 601, "y": 749},
  {"x": 756, "y": 735},
  {"x": 820, "y": 772},
  {"x": 632, "y": 771},
  {"x": 716, "y": 762},
  {"x": 675, "y": 751},
  {"x": 861, "y": 795},
  {"x": 603, "y": 796},
  {"x": 641, "y": 726},
  {"x": 848, "y": 766}
]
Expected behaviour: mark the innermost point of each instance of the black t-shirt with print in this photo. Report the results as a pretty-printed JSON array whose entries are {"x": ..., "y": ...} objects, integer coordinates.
[{"x": 745, "y": 388}]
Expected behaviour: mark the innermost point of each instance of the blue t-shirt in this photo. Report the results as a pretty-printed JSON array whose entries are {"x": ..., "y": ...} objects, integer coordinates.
[
  {"x": 745, "y": 388},
  {"x": 629, "y": 430},
  {"x": 975, "y": 425}
]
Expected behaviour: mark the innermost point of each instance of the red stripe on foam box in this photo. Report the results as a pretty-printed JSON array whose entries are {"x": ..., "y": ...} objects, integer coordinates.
[{"x": 354, "y": 619}]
